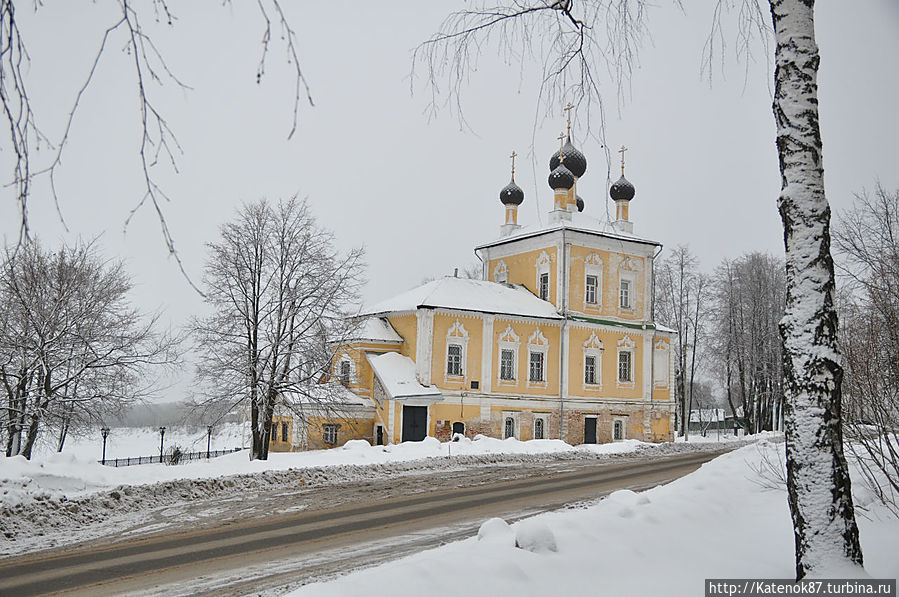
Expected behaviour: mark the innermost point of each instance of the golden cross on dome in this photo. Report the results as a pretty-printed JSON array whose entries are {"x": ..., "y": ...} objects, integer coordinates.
[
  {"x": 561, "y": 139},
  {"x": 513, "y": 163},
  {"x": 568, "y": 110},
  {"x": 621, "y": 151}
]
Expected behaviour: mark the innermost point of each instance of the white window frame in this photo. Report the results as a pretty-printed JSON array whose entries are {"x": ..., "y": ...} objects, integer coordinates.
[
  {"x": 543, "y": 267},
  {"x": 625, "y": 345},
  {"x": 508, "y": 340},
  {"x": 456, "y": 335},
  {"x": 627, "y": 276},
  {"x": 543, "y": 419},
  {"x": 538, "y": 344},
  {"x": 593, "y": 267},
  {"x": 501, "y": 273},
  {"x": 593, "y": 348},
  {"x": 507, "y": 415},
  {"x": 346, "y": 359},
  {"x": 329, "y": 430},
  {"x": 615, "y": 423},
  {"x": 453, "y": 361}
]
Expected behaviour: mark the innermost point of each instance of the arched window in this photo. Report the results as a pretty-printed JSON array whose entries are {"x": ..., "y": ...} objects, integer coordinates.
[
  {"x": 509, "y": 428},
  {"x": 538, "y": 429}
]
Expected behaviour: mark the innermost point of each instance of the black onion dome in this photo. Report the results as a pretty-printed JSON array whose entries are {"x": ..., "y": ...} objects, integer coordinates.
[
  {"x": 561, "y": 178},
  {"x": 580, "y": 203},
  {"x": 574, "y": 159},
  {"x": 511, "y": 194},
  {"x": 622, "y": 190}
]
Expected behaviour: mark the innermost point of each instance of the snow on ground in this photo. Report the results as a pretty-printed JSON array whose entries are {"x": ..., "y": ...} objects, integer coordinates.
[
  {"x": 729, "y": 519},
  {"x": 75, "y": 472},
  {"x": 59, "y": 498}
]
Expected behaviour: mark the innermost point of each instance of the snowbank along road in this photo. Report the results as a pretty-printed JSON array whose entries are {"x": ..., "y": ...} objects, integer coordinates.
[{"x": 277, "y": 530}]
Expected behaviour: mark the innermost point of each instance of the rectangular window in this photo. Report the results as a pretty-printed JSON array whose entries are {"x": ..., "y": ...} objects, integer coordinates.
[
  {"x": 590, "y": 370},
  {"x": 329, "y": 434},
  {"x": 536, "y": 367},
  {"x": 544, "y": 286},
  {"x": 454, "y": 360},
  {"x": 538, "y": 428},
  {"x": 345, "y": 372},
  {"x": 618, "y": 430},
  {"x": 624, "y": 366},
  {"x": 625, "y": 294},
  {"x": 285, "y": 427},
  {"x": 506, "y": 364},
  {"x": 590, "y": 294}
]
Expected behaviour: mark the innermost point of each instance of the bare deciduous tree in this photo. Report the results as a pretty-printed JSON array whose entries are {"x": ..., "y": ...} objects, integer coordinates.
[
  {"x": 868, "y": 241},
  {"x": 158, "y": 143},
  {"x": 72, "y": 349},
  {"x": 682, "y": 298},
  {"x": 281, "y": 297},
  {"x": 749, "y": 303},
  {"x": 571, "y": 39}
]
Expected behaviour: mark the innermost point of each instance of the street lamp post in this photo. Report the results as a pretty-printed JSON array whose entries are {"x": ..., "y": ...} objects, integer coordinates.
[
  {"x": 208, "y": 439},
  {"x": 161, "y": 440},
  {"x": 105, "y": 432}
]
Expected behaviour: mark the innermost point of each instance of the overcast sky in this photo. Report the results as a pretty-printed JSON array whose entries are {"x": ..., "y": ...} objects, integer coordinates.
[{"x": 419, "y": 192}]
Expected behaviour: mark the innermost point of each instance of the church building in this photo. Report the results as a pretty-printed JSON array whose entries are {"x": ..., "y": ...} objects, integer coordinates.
[{"x": 556, "y": 340}]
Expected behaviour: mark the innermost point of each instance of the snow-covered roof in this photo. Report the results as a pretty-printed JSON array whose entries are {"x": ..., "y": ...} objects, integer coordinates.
[
  {"x": 664, "y": 328},
  {"x": 397, "y": 374},
  {"x": 468, "y": 295},
  {"x": 329, "y": 395},
  {"x": 375, "y": 329},
  {"x": 579, "y": 222}
]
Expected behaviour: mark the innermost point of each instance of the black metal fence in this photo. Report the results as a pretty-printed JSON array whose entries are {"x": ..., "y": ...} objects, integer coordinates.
[{"x": 177, "y": 458}]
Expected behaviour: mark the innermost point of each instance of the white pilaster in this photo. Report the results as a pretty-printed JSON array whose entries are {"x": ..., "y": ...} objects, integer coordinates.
[
  {"x": 487, "y": 354},
  {"x": 424, "y": 345}
]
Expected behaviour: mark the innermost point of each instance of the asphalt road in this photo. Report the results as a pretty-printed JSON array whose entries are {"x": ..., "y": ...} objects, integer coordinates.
[{"x": 287, "y": 550}]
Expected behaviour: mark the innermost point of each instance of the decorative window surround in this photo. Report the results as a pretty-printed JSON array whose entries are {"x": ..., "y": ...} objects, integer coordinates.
[
  {"x": 457, "y": 335},
  {"x": 627, "y": 287},
  {"x": 542, "y": 265},
  {"x": 537, "y": 345},
  {"x": 625, "y": 347},
  {"x": 593, "y": 269},
  {"x": 593, "y": 348},
  {"x": 508, "y": 341},
  {"x": 501, "y": 273}
]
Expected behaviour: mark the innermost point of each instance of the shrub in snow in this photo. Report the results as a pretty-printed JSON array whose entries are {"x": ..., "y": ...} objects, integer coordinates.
[
  {"x": 534, "y": 535},
  {"x": 497, "y": 531}
]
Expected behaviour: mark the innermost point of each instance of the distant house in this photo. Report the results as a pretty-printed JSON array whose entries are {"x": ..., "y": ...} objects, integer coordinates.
[{"x": 555, "y": 340}]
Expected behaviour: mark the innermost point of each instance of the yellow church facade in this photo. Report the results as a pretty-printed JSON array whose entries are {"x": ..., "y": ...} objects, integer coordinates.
[{"x": 555, "y": 340}]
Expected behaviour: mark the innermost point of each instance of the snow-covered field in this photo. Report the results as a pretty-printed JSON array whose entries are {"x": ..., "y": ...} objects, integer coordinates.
[{"x": 727, "y": 520}]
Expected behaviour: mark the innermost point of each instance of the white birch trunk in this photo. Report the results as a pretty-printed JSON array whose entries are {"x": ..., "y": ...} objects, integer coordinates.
[{"x": 817, "y": 478}]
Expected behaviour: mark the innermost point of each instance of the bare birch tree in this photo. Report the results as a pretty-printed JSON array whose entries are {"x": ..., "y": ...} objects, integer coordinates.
[
  {"x": 72, "y": 348},
  {"x": 577, "y": 40},
  {"x": 281, "y": 298}
]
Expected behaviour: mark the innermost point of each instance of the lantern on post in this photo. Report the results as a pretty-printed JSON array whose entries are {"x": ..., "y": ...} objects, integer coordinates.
[
  {"x": 105, "y": 432},
  {"x": 161, "y": 440}
]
